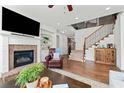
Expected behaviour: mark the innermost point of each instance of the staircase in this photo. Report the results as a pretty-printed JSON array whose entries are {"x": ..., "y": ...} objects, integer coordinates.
[
  {"x": 98, "y": 36},
  {"x": 89, "y": 53},
  {"x": 76, "y": 55}
]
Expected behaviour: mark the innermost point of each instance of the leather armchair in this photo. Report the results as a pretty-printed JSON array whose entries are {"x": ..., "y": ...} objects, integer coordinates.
[{"x": 53, "y": 63}]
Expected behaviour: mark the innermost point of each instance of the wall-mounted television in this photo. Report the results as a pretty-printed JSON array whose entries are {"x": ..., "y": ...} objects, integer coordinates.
[{"x": 15, "y": 22}]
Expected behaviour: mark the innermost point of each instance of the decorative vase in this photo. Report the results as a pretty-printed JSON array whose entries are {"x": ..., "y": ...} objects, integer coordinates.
[{"x": 32, "y": 84}]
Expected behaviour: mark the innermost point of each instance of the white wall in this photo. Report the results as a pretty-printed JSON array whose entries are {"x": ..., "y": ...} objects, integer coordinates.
[
  {"x": 50, "y": 31},
  {"x": 54, "y": 33},
  {"x": 0, "y": 40},
  {"x": 122, "y": 39},
  {"x": 117, "y": 39},
  {"x": 0, "y": 17},
  {"x": 63, "y": 43},
  {"x": 81, "y": 34},
  {"x": 89, "y": 55},
  {"x": 5, "y": 57}
]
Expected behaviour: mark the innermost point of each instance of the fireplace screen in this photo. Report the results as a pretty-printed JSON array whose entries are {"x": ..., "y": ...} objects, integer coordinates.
[{"x": 23, "y": 58}]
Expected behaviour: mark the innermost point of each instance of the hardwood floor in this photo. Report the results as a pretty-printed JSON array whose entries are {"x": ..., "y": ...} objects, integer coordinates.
[
  {"x": 0, "y": 80},
  {"x": 99, "y": 72},
  {"x": 56, "y": 78},
  {"x": 88, "y": 69}
]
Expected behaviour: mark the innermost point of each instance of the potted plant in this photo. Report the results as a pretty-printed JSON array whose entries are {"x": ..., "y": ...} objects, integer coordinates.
[{"x": 28, "y": 77}]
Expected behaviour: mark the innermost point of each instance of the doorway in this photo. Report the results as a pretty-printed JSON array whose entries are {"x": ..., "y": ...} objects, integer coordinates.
[{"x": 71, "y": 45}]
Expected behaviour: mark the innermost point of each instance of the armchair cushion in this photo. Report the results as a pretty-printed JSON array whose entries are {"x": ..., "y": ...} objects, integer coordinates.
[{"x": 56, "y": 56}]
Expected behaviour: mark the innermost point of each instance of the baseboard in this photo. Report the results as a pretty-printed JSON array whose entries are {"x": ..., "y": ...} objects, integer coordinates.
[
  {"x": 75, "y": 60},
  {"x": 89, "y": 60}
]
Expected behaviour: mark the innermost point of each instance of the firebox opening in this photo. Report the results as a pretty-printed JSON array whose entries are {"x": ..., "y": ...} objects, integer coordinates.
[{"x": 23, "y": 57}]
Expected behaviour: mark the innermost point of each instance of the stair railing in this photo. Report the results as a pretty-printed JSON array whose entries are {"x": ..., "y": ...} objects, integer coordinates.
[{"x": 96, "y": 36}]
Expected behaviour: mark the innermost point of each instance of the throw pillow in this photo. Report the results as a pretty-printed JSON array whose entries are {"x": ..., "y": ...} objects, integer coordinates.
[{"x": 56, "y": 56}]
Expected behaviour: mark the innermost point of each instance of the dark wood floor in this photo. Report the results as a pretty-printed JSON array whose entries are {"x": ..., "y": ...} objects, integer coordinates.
[
  {"x": 55, "y": 77},
  {"x": 88, "y": 69},
  {"x": 99, "y": 72}
]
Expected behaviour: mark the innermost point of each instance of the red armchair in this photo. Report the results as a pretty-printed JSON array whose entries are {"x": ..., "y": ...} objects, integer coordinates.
[{"x": 53, "y": 63}]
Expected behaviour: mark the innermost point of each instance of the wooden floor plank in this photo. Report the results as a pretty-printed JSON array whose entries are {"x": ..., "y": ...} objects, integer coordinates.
[{"x": 99, "y": 72}]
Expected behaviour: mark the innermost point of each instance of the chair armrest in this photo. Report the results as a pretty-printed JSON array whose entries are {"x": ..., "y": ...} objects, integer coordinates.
[{"x": 47, "y": 58}]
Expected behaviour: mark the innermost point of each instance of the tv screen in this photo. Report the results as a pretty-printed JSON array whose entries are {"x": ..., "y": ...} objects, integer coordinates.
[{"x": 14, "y": 22}]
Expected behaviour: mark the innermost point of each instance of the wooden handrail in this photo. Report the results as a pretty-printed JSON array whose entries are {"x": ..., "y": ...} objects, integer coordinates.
[{"x": 95, "y": 31}]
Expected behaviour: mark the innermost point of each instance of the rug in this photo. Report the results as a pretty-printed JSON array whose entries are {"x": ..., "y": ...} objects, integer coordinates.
[{"x": 93, "y": 83}]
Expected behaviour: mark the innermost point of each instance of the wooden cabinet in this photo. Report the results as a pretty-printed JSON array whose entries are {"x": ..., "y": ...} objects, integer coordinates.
[{"x": 105, "y": 55}]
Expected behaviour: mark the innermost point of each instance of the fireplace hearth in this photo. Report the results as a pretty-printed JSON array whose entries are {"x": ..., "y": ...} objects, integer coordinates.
[{"x": 23, "y": 57}]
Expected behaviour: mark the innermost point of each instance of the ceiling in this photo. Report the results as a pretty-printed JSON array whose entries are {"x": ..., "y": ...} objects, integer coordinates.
[{"x": 60, "y": 18}]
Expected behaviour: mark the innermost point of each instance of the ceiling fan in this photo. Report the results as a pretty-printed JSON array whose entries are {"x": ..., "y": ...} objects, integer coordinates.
[{"x": 70, "y": 8}]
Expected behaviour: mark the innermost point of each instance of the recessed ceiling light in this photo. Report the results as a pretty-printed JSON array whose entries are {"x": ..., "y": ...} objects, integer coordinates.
[
  {"x": 58, "y": 23},
  {"x": 63, "y": 31},
  {"x": 108, "y": 8},
  {"x": 76, "y": 18}
]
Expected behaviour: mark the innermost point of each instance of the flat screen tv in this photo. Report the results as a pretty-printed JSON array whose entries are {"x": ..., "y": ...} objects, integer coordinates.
[{"x": 14, "y": 22}]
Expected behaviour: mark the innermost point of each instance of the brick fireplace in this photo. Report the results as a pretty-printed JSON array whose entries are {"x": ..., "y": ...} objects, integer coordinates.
[{"x": 20, "y": 55}]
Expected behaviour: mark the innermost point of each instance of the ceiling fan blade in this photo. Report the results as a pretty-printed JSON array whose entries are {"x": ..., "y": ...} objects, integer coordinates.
[
  {"x": 69, "y": 7},
  {"x": 50, "y": 6}
]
